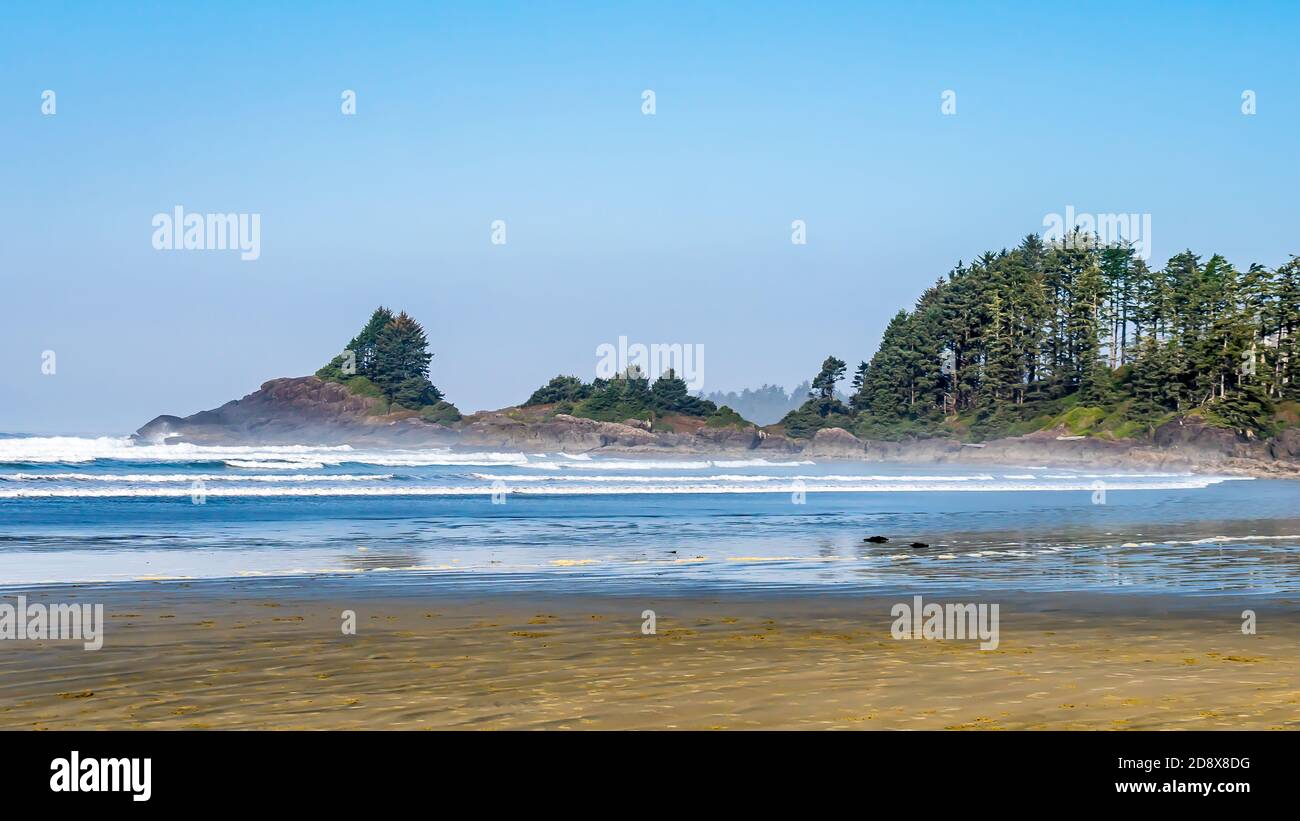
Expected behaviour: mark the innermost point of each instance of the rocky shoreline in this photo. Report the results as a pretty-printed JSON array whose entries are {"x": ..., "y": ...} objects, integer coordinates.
[{"x": 308, "y": 410}]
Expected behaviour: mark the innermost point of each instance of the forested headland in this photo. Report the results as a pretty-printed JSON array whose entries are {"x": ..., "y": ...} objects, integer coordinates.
[{"x": 1080, "y": 335}]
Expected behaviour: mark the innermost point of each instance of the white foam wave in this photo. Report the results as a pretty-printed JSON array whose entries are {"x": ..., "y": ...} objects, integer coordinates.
[
  {"x": 172, "y": 478},
  {"x": 627, "y": 464},
  {"x": 660, "y": 464},
  {"x": 439, "y": 459},
  {"x": 1217, "y": 539},
  {"x": 667, "y": 486},
  {"x": 77, "y": 450},
  {"x": 56, "y": 449},
  {"x": 726, "y": 477}
]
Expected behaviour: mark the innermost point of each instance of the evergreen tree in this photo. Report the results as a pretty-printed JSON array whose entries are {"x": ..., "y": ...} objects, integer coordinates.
[
  {"x": 391, "y": 358},
  {"x": 669, "y": 394},
  {"x": 560, "y": 389},
  {"x": 363, "y": 344},
  {"x": 1283, "y": 319},
  {"x": 823, "y": 408},
  {"x": 859, "y": 376},
  {"x": 358, "y": 357},
  {"x": 882, "y": 393},
  {"x": 823, "y": 385},
  {"x": 401, "y": 362}
]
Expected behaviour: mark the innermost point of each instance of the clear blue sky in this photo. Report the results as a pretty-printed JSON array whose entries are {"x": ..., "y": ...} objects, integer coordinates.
[{"x": 666, "y": 228}]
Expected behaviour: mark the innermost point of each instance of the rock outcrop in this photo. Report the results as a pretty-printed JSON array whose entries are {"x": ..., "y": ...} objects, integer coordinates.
[
  {"x": 1198, "y": 440},
  {"x": 562, "y": 432},
  {"x": 294, "y": 411},
  {"x": 308, "y": 410},
  {"x": 835, "y": 443}
]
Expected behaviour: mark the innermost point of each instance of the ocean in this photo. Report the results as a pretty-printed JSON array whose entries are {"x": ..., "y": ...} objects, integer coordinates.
[{"x": 77, "y": 510}]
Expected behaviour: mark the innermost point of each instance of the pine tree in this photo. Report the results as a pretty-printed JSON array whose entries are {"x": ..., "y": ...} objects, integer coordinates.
[
  {"x": 823, "y": 385},
  {"x": 401, "y": 363},
  {"x": 859, "y": 376},
  {"x": 560, "y": 389},
  {"x": 1117, "y": 272},
  {"x": 363, "y": 344},
  {"x": 1000, "y": 376},
  {"x": 358, "y": 357},
  {"x": 882, "y": 392},
  {"x": 670, "y": 394},
  {"x": 1284, "y": 322}
]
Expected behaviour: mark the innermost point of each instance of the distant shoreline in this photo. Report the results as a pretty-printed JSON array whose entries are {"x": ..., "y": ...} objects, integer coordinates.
[{"x": 304, "y": 410}]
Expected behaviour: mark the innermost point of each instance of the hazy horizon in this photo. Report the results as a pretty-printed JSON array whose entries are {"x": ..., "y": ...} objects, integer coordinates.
[{"x": 671, "y": 227}]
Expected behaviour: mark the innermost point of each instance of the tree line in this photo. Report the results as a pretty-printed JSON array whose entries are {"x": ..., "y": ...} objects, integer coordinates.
[
  {"x": 629, "y": 395},
  {"x": 1016, "y": 338}
]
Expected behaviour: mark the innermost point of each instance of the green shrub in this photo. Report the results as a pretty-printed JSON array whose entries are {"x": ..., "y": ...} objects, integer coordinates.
[
  {"x": 361, "y": 386},
  {"x": 415, "y": 393},
  {"x": 725, "y": 417},
  {"x": 443, "y": 413},
  {"x": 564, "y": 389},
  {"x": 816, "y": 414},
  {"x": 1081, "y": 418}
]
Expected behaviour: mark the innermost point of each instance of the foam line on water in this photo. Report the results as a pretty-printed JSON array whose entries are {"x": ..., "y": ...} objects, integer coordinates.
[{"x": 667, "y": 487}]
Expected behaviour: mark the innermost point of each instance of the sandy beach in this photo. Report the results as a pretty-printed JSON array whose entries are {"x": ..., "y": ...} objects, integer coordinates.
[{"x": 272, "y": 654}]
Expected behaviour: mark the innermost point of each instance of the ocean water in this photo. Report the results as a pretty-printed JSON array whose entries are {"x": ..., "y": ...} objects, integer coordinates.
[{"x": 78, "y": 510}]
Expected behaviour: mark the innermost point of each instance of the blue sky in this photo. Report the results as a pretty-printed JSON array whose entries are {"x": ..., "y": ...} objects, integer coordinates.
[{"x": 671, "y": 228}]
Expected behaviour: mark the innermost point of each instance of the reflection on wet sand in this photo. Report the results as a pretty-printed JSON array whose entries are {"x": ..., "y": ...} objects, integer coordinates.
[{"x": 176, "y": 659}]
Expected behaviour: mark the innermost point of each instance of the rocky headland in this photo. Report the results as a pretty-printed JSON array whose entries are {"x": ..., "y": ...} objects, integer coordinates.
[{"x": 309, "y": 410}]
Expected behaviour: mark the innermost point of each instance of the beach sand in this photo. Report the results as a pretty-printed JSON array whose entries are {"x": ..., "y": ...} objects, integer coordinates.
[{"x": 273, "y": 655}]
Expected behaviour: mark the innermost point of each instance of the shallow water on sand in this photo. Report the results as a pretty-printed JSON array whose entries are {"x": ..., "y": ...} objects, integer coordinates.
[{"x": 80, "y": 510}]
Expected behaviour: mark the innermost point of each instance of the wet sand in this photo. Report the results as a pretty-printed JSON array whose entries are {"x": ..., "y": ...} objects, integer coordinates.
[{"x": 273, "y": 656}]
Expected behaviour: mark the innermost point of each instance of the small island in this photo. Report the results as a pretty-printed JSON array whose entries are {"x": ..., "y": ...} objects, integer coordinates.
[{"x": 1072, "y": 352}]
